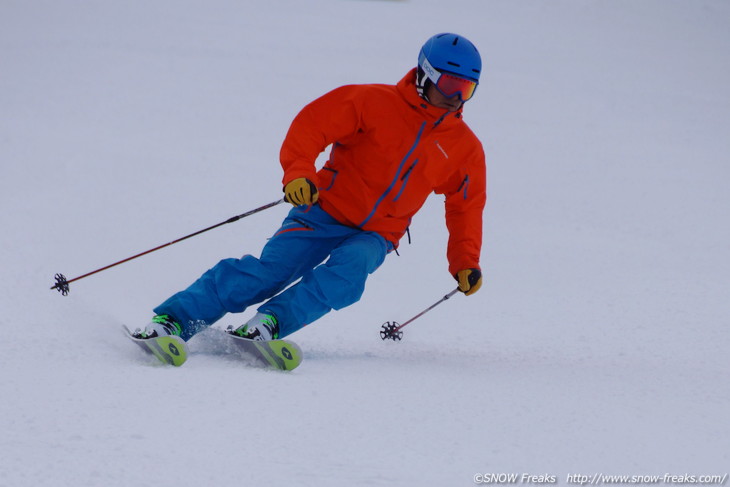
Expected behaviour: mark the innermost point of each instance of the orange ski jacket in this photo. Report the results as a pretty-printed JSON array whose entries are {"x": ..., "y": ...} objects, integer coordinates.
[{"x": 390, "y": 150}]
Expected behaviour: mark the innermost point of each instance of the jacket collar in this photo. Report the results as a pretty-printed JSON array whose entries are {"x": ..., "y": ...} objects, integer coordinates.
[{"x": 407, "y": 88}]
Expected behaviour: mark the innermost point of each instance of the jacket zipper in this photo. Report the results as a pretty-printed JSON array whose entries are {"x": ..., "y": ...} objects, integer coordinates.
[
  {"x": 465, "y": 186},
  {"x": 404, "y": 179},
  {"x": 397, "y": 176}
]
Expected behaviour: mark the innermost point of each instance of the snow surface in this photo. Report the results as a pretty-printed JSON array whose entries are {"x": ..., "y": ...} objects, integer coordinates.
[{"x": 598, "y": 344}]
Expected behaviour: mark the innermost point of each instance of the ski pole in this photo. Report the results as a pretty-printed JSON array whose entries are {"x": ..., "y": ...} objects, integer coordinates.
[
  {"x": 392, "y": 329},
  {"x": 62, "y": 284}
]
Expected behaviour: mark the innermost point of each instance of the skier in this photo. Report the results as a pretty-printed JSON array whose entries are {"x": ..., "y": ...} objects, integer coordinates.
[{"x": 392, "y": 145}]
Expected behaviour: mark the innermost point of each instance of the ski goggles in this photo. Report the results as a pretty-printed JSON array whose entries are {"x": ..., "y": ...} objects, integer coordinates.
[{"x": 449, "y": 84}]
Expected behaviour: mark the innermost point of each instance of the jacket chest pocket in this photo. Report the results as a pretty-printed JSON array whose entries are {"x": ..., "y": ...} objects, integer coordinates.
[{"x": 437, "y": 166}]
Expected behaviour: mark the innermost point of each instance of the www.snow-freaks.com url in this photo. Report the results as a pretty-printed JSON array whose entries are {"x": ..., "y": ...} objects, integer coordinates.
[{"x": 600, "y": 479}]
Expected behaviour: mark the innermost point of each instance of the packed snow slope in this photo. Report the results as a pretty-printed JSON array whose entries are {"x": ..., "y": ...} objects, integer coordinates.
[{"x": 598, "y": 343}]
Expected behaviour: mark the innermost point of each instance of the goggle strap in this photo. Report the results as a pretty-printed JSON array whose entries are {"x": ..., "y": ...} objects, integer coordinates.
[{"x": 432, "y": 73}]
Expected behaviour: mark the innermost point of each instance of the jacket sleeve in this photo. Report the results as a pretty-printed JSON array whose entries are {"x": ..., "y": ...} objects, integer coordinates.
[
  {"x": 465, "y": 199},
  {"x": 327, "y": 119}
]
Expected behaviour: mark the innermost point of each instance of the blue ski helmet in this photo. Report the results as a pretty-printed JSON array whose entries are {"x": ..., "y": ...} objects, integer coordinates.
[{"x": 447, "y": 61}]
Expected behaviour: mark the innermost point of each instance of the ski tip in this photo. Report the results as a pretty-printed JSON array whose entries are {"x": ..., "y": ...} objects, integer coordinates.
[
  {"x": 170, "y": 350},
  {"x": 289, "y": 352},
  {"x": 275, "y": 354}
]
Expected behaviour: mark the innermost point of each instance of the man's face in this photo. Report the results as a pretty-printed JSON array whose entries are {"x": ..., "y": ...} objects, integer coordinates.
[{"x": 436, "y": 99}]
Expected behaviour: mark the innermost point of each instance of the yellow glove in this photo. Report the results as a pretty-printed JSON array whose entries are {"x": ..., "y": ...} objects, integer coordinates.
[
  {"x": 470, "y": 280},
  {"x": 301, "y": 191}
]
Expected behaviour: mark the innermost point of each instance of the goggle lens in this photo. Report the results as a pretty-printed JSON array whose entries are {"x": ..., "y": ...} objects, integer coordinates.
[{"x": 450, "y": 85}]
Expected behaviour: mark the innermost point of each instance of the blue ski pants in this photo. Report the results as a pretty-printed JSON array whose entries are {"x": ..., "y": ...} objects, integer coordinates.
[{"x": 297, "y": 251}]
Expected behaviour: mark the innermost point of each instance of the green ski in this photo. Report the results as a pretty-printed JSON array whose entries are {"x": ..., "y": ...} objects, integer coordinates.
[
  {"x": 275, "y": 354},
  {"x": 168, "y": 349}
]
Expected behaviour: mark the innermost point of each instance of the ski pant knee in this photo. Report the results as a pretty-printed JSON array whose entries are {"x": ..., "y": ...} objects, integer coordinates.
[
  {"x": 349, "y": 266},
  {"x": 237, "y": 283}
]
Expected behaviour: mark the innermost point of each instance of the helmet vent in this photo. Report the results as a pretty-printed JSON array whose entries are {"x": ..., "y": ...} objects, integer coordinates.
[{"x": 454, "y": 64}]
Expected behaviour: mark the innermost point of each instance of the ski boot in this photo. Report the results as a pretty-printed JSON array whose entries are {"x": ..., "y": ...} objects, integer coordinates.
[
  {"x": 161, "y": 325},
  {"x": 262, "y": 327}
]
